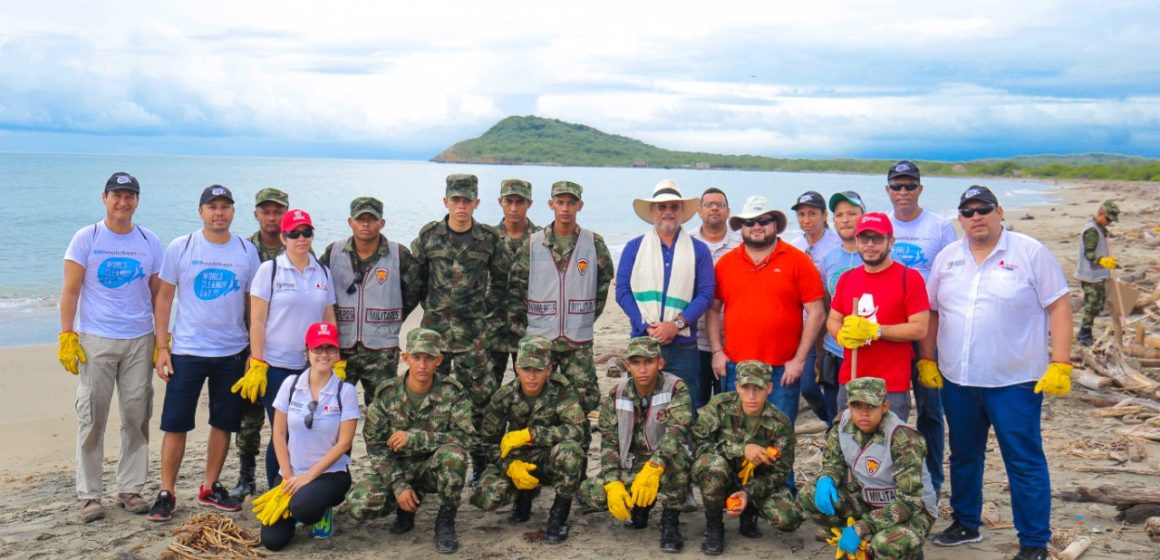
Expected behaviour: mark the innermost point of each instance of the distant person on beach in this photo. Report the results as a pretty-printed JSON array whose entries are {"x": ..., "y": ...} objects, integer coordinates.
[
  {"x": 511, "y": 317},
  {"x": 1094, "y": 266},
  {"x": 892, "y": 313},
  {"x": 995, "y": 298},
  {"x": 106, "y": 337},
  {"x": 211, "y": 271},
  {"x": 270, "y": 205},
  {"x": 664, "y": 282},
  {"x": 816, "y": 240},
  {"x": 377, "y": 284},
  {"x": 715, "y": 234}
]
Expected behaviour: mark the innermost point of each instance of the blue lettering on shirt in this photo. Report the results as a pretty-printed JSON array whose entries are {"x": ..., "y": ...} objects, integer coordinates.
[
  {"x": 115, "y": 272},
  {"x": 908, "y": 254},
  {"x": 213, "y": 283}
]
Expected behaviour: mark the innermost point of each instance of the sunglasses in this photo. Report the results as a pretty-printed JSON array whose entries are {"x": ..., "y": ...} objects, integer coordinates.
[
  {"x": 712, "y": 205},
  {"x": 899, "y": 186},
  {"x": 307, "y": 233},
  {"x": 324, "y": 350},
  {"x": 350, "y": 290},
  {"x": 309, "y": 419},
  {"x": 765, "y": 221},
  {"x": 871, "y": 239},
  {"x": 980, "y": 210},
  {"x": 669, "y": 206}
]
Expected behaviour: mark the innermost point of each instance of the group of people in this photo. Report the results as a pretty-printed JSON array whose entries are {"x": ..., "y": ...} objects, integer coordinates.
[{"x": 730, "y": 326}]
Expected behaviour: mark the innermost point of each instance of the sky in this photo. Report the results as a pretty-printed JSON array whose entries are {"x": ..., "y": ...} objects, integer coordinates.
[{"x": 404, "y": 80}]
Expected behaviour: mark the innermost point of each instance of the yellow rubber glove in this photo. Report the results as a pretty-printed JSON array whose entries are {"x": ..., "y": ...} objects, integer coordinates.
[
  {"x": 169, "y": 345},
  {"x": 252, "y": 385},
  {"x": 1056, "y": 380},
  {"x": 929, "y": 375},
  {"x": 1108, "y": 262},
  {"x": 272, "y": 506},
  {"x": 857, "y": 332},
  {"x": 70, "y": 352},
  {"x": 340, "y": 369},
  {"x": 514, "y": 440},
  {"x": 839, "y": 553},
  {"x": 619, "y": 502},
  {"x": 520, "y": 473},
  {"x": 746, "y": 471},
  {"x": 646, "y": 484}
]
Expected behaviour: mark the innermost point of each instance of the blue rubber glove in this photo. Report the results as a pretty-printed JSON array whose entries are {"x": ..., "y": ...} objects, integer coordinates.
[
  {"x": 826, "y": 496},
  {"x": 850, "y": 541}
]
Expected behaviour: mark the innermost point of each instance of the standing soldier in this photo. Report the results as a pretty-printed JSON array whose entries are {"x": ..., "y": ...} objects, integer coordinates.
[
  {"x": 534, "y": 423},
  {"x": 511, "y": 319},
  {"x": 644, "y": 435},
  {"x": 417, "y": 434},
  {"x": 745, "y": 451},
  {"x": 377, "y": 285},
  {"x": 1094, "y": 265},
  {"x": 873, "y": 470},
  {"x": 269, "y": 206}
]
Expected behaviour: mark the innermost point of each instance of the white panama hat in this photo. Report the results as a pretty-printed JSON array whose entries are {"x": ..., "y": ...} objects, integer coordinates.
[{"x": 666, "y": 191}]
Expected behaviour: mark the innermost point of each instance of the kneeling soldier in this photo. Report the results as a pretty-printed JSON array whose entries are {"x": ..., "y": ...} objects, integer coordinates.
[
  {"x": 873, "y": 470},
  {"x": 644, "y": 434},
  {"x": 745, "y": 451},
  {"x": 534, "y": 423},
  {"x": 417, "y": 433}
]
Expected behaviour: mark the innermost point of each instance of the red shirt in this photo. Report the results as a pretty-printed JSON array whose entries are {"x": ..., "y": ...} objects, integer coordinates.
[
  {"x": 883, "y": 301},
  {"x": 763, "y": 302}
]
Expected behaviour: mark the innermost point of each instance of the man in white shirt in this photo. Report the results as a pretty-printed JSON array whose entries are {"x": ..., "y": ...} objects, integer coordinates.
[
  {"x": 714, "y": 232},
  {"x": 995, "y": 297}
]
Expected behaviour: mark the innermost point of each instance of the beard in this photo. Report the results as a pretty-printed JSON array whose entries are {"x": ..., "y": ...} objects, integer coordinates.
[
  {"x": 881, "y": 259},
  {"x": 758, "y": 245}
]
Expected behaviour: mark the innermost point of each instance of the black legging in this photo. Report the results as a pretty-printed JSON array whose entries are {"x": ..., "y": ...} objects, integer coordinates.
[{"x": 307, "y": 506}]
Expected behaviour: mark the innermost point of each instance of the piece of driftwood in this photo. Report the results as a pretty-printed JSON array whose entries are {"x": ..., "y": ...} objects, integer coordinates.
[
  {"x": 1113, "y": 412},
  {"x": 1114, "y": 495},
  {"x": 1152, "y": 527},
  {"x": 1140, "y": 351},
  {"x": 1138, "y": 513},
  {"x": 1116, "y": 470},
  {"x": 1142, "y": 432},
  {"x": 1092, "y": 381},
  {"x": 1076, "y": 549}
]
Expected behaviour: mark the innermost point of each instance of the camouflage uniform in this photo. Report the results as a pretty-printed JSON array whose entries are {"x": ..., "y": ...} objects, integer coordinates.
[
  {"x": 439, "y": 432},
  {"x": 1095, "y": 293},
  {"x": 555, "y": 420},
  {"x": 511, "y": 318},
  {"x": 899, "y": 529},
  {"x": 720, "y": 436}
]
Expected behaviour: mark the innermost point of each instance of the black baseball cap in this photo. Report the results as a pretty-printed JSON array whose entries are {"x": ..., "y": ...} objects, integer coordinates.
[
  {"x": 904, "y": 168},
  {"x": 810, "y": 198},
  {"x": 121, "y": 181},
  {"x": 213, "y": 192},
  {"x": 977, "y": 192}
]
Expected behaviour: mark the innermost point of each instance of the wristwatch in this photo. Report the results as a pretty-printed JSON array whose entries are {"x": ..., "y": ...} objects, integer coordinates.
[{"x": 680, "y": 322}]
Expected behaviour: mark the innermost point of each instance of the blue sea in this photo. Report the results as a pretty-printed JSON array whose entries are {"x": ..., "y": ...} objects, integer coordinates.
[{"x": 51, "y": 196}]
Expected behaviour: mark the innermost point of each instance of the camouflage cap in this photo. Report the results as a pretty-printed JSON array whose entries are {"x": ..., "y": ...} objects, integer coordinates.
[
  {"x": 869, "y": 390},
  {"x": 425, "y": 341},
  {"x": 272, "y": 195},
  {"x": 567, "y": 187},
  {"x": 535, "y": 352},
  {"x": 753, "y": 372},
  {"x": 518, "y": 187},
  {"x": 645, "y": 346},
  {"x": 366, "y": 205},
  {"x": 462, "y": 184},
  {"x": 1111, "y": 210}
]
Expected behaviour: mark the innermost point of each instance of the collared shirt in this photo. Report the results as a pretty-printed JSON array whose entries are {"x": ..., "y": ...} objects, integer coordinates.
[
  {"x": 309, "y": 445},
  {"x": 717, "y": 249},
  {"x": 818, "y": 250},
  {"x": 297, "y": 299},
  {"x": 703, "y": 282},
  {"x": 919, "y": 241},
  {"x": 993, "y": 322}
]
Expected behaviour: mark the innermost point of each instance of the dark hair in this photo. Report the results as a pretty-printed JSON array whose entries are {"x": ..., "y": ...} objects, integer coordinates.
[{"x": 715, "y": 190}]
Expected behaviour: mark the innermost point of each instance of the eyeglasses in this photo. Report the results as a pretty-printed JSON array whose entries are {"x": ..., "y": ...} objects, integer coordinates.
[
  {"x": 668, "y": 206},
  {"x": 871, "y": 239},
  {"x": 307, "y": 233},
  {"x": 899, "y": 186},
  {"x": 980, "y": 210},
  {"x": 324, "y": 350},
  {"x": 711, "y": 205},
  {"x": 309, "y": 419},
  {"x": 350, "y": 290},
  {"x": 764, "y": 221}
]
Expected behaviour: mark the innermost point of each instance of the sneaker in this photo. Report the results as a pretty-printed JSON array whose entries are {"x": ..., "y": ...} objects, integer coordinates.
[
  {"x": 163, "y": 507},
  {"x": 91, "y": 510},
  {"x": 217, "y": 496},
  {"x": 133, "y": 503},
  {"x": 325, "y": 526},
  {"x": 1031, "y": 553},
  {"x": 957, "y": 534}
]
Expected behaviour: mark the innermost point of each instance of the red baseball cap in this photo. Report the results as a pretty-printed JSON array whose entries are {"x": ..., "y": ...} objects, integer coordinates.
[
  {"x": 294, "y": 218},
  {"x": 321, "y": 334},
  {"x": 876, "y": 222}
]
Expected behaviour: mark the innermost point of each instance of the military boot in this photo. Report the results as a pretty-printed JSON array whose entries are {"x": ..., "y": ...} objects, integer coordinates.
[
  {"x": 522, "y": 509},
  {"x": 748, "y": 527},
  {"x": 671, "y": 540},
  {"x": 557, "y": 529},
  {"x": 404, "y": 522},
  {"x": 1085, "y": 336},
  {"x": 714, "y": 541},
  {"x": 639, "y": 518},
  {"x": 246, "y": 484},
  {"x": 445, "y": 540}
]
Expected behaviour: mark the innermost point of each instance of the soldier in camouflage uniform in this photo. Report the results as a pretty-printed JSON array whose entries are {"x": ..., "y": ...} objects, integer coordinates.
[
  {"x": 269, "y": 206},
  {"x": 534, "y": 423},
  {"x": 417, "y": 434},
  {"x": 644, "y": 436},
  {"x": 377, "y": 284},
  {"x": 873, "y": 470},
  {"x": 511, "y": 320},
  {"x": 1094, "y": 266},
  {"x": 745, "y": 450}
]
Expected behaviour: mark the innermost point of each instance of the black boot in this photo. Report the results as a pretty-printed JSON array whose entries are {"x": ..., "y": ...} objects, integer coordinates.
[
  {"x": 1085, "y": 336},
  {"x": 557, "y": 529},
  {"x": 522, "y": 509},
  {"x": 714, "y": 542},
  {"x": 404, "y": 522},
  {"x": 246, "y": 484},
  {"x": 671, "y": 540},
  {"x": 748, "y": 528},
  {"x": 445, "y": 540},
  {"x": 639, "y": 518}
]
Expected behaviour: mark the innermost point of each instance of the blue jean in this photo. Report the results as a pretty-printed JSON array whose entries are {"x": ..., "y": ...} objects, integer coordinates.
[
  {"x": 684, "y": 360},
  {"x": 1014, "y": 412},
  {"x": 929, "y": 421},
  {"x": 190, "y": 373},
  {"x": 823, "y": 399},
  {"x": 274, "y": 378}
]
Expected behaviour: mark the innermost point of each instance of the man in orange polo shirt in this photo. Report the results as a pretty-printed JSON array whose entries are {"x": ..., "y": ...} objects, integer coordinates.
[{"x": 763, "y": 286}]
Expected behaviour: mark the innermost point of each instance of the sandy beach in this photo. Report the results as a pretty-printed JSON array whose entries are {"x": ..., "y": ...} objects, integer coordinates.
[{"x": 38, "y": 515}]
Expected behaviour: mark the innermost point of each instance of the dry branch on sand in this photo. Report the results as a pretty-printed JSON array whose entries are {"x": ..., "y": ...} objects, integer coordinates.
[{"x": 211, "y": 535}]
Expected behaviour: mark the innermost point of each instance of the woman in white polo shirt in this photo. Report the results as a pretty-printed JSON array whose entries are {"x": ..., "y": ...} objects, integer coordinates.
[
  {"x": 314, "y": 423},
  {"x": 288, "y": 294}
]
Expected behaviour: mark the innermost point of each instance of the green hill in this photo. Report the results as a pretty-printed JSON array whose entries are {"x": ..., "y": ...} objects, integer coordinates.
[{"x": 535, "y": 140}]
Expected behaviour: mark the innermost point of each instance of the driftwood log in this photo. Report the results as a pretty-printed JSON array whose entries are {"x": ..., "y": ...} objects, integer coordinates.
[
  {"x": 1138, "y": 513},
  {"x": 1114, "y": 495},
  {"x": 1076, "y": 549},
  {"x": 1152, "y": 527}
]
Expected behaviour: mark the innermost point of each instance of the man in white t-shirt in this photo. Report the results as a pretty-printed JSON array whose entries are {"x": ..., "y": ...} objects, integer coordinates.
[
  {"x": 714, "y": 232},
  {"x": 106, "y": 324},
  {"x": 210, "y": 271}
]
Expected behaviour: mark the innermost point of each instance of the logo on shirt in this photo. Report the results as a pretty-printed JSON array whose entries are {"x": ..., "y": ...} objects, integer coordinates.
[
  {"x": 285, "y": 286},
  {"x": 582, "y": 266},
  {"x": 213, "y": 283},
  {"x": 321, "y": 286},
  {"x": 115, "y": 272},
  {"x": 381, "y": 275},
  {"x": 908, "y": 254},
  {"x": 1008, "y": 265},
  {"x": 867, "y": 309},
  {"x": 872, "y": 465}
]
